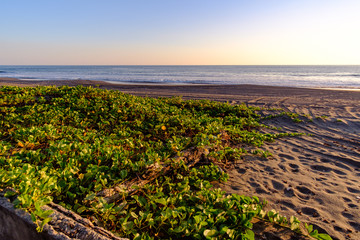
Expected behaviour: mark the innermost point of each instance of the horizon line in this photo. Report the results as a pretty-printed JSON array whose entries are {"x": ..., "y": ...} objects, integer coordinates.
[{"x": 179, "y": 64}]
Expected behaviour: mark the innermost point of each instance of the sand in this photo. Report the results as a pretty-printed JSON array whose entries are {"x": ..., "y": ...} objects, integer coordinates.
[{"x": 315, "y": 178}]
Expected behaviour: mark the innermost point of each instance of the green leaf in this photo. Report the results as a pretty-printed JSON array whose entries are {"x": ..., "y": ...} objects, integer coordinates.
[
  {"x": 256, "y": 199},
  {"x": 309, "y": 228},
  {"x": 249, "y": 235},
  {"x": 208, "y": 233},
  {"x": 33, "y": 217},
  {"x": 81, "y": 209},
  {"x": 224, "y": 229},
  {"x": 112, "y": 218},
  {"x": 45, "y": 221},
  {"x": 134, "y": 215},
  {"x": 90, "y": 197},
  {"x": 128, "y": 226},
  {"x": 161, "y": 201},
  {"x": 9, "y": 194},
  {"x": 323, "y": 236},
  {"x": 141, "y": 200},
  {"x": 123, "y": 174}
]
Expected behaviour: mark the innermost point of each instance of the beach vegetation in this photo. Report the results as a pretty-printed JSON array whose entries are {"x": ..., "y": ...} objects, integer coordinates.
[
  {"x": 323, "y": 117},
  {"x": 293, "y": 223},
  {"x": 141, "y": 167}
]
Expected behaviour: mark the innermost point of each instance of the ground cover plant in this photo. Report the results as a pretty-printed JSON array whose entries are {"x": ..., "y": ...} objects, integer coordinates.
[{"x": 140, "y": 167}]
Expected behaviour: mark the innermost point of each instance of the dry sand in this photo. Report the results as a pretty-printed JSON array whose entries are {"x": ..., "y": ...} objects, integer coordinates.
[{"x": 315, "y": 178}]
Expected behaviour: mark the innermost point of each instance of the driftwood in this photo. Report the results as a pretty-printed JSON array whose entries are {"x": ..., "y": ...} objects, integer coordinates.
[{"x": 190, "y": 157}]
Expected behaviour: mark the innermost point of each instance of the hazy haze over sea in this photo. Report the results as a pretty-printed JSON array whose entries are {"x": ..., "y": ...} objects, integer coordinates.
[{"x": 290, "y": 76}]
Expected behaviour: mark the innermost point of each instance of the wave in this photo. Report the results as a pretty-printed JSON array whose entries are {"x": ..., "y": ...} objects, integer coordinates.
[
  {"x": 326, "y": 75},
  {"x": 299, "y": 76}
]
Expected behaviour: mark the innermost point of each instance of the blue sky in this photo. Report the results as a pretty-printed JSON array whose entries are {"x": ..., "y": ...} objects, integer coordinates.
[{"x": 180, "y": 32}]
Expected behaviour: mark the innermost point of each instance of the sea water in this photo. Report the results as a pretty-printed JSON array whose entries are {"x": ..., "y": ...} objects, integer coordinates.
[{"x": 290, "y": 76}]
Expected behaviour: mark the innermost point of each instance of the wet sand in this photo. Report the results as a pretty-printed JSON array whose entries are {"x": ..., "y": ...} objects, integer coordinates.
[{"x": 314, "y": 177}]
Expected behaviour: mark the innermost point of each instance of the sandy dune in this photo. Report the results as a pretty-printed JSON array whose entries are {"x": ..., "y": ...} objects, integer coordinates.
[{"x": 315, "y": 177}]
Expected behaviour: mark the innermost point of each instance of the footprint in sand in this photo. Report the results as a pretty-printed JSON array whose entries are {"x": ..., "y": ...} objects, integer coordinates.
[
  {"x": 346, "y": 199},
  {"x": 321, "y": 168},
  {"x": 325, "y": 160},
  {"x": 310, "y": 211},
  {"x": 295, "y": 150},
  {"x": 269, "y": 169},
  {"x": 289, "y": 192},
  {"x": 260, "y": 190},
  {"x": 339, "y": 172},
  {"x": 286, "y": 156},
  {"x": 355, "y": 225},
  {"x": 258, "y": 187},
  {"x": 240, "y": 170},
  {"x": 254, "y": 184},
  {"x": 287, "y": 204},
  {"x": 304, "y": 193},
  {"x": 305, "y": 190},
  {"x": 235, "y": 188},
  {"x": 321, "y": 179},
  {"x": 347, "y": 215},
  {"x": 319, "y": 200},
  {"x": 339, "y": 229},
  {"x": 282, "y": 167},
  {"x": 295, "y": 168},
  {"x": 353, "y": 190},
  {"x": 277, "y": 185},
  {"x": 329, "y": 191},
  {"x": 351, "y": 205},
  {"x": 340, "y": 165}
]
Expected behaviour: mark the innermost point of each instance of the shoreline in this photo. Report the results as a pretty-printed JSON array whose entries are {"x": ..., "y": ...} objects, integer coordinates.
[
  {"x": 42, "y": 82},
  {"x": 314, "y": 177}
]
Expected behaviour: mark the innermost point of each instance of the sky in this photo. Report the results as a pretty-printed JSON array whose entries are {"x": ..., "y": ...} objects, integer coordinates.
[{"x": 180, "y": 32}]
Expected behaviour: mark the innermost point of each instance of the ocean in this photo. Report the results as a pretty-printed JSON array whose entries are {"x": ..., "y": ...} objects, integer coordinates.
[{"x": 337, "y": 76}]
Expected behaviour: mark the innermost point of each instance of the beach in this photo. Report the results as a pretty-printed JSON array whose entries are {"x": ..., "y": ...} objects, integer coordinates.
[{"x": 314, "y": 177}]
